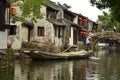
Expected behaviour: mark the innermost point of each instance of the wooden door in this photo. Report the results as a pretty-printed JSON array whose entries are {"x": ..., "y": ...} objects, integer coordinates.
[{"x": 75, "y": 36}]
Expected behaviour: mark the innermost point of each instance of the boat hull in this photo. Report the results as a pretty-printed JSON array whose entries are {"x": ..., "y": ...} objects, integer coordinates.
[{"x": 71, "y": 55}]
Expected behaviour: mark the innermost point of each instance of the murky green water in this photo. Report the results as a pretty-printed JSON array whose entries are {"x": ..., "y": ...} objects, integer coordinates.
[{"x": 105, "y": 68}]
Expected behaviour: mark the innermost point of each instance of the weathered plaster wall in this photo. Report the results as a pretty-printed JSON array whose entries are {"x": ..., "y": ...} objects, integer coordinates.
[
  {"x": 3, "y": 39},
  {"x": 60, "y": 14},
  {"x": 71, "y": 38},
  {"x": 90, "y": 25},
  {"x": 75, "y": 20},
  {"x": 24, "y": 33},
  {"x": 16, "y": 39},
  {"x": 48, "y": 28}
]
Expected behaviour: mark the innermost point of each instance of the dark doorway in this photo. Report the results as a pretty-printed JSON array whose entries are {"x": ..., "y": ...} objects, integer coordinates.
[{"x": 74, "y": 36}]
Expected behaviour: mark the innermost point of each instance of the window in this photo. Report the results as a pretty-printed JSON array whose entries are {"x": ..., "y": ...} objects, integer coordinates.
[
  {"x": 69, "y": 16},
  {"x": 40, "y": 31},
  {"x": 12, "y": 30},
  {"x": 7, "y": 16},
  {"x": 51, "y": 13}
]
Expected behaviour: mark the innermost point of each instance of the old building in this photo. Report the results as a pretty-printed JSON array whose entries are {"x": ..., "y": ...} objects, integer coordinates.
[
  {"x": 59, "y": 26},
  {"x": 4, "y": 22}
]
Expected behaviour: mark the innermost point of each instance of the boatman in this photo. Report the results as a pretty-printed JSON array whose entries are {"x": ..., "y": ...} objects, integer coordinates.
[{"x": 87, "y": 43}]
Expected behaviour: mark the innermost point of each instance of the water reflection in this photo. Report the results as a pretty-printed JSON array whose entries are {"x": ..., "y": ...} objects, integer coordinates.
[
  {"x": 7, "y": 74},
  {"x": 109, "y": 64},
  {"x": 45, "y": 70},
  {"x": 54, "y": 70},
  {"x": 107, "y": 68}
]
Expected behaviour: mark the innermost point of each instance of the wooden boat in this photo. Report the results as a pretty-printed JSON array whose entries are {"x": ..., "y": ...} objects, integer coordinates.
[{"x": 43, "y": 55}]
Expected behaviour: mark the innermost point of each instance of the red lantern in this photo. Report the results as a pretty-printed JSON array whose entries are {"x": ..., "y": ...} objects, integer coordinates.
[
  {"x": 81, "y": 32},
  {"x": 84, "y": 21},
  {"x": 13, "y": 10},
  {"x": 84, "y": 33},
  {"x": 81, "y": 22}
]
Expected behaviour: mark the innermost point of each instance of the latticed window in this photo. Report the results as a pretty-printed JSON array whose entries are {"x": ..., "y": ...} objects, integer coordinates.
[{"x": 40, "y": 31}]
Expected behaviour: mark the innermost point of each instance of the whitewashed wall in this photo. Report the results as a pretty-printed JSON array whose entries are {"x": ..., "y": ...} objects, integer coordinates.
[
  {"x": 16, "y": 39},
  {"x": 71, "y": 38},
  {"x": 24, "y": 33},
  {"x": 3, "y": 39},
  {"x": 48, "y": 28},
  {"x": 90, "y": 25}
]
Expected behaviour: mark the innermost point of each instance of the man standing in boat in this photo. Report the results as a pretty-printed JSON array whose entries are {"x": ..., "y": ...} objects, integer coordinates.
[{"x": 87, "y": 41}]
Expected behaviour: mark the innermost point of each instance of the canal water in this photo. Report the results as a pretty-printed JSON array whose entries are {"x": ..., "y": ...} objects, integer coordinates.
[{"x": 104, "y": 66}]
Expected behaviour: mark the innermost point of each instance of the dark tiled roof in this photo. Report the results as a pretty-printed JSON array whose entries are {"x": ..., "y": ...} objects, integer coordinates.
[
  {"x": 58, "y": 6},
  {"x": 56, "y": 22},
  {"x": 63, "y": 22},
  {"x": 53, "y": 5},
  {"x": 71, "y": 23},
  {"x": 28, "y": 23}
]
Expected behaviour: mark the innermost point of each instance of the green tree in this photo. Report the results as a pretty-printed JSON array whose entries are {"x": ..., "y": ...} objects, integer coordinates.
[
  {"x": 108, "y": 21},
  {"x": 113, "y": 5},
  {"x": 30, "y": 8}
]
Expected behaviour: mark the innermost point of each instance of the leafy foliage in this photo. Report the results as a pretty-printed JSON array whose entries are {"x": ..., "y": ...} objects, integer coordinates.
[
  {"x": 113, "y": 5},
  {"x": 107, "y": 20},
  {"x": 31, "y": 8},
  {"x": 10, "y": 54}
]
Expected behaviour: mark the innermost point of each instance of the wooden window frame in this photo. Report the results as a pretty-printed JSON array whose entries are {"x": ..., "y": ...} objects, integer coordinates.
[{"x": 40, "y": 31}]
